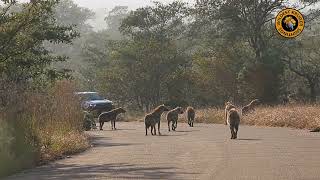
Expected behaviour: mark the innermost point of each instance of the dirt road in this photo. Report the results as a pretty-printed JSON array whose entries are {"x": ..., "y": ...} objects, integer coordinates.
[{"x": 202, "y": 152}]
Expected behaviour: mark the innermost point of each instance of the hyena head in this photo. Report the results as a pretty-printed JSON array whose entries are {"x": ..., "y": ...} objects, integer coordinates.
[
  {"x": 121, "y": 110},
  {"x": 180, "y": 110},
  {"x": 228, "y": 103},
  {"x": 163, "y": 108}
]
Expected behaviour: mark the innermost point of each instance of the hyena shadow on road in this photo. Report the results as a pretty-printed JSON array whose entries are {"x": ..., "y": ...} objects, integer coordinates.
[
  {"x": 100, "y": 141},
  {"x": 248, "y": 139}
]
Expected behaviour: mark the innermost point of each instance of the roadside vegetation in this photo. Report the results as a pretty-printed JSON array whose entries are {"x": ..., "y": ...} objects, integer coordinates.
[
  {"x": 40, "y": 118},
  {"x": 41, "y": 127}
]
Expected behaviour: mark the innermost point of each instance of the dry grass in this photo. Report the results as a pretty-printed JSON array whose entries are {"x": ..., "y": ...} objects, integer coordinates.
[
  {"x": 38, "y": 127},
  {"x": 57, "y": 118},
  {"x": 62, "y": 144},
  {"x": 209, "y": 115},
  {"x": 293, "y": 116}
]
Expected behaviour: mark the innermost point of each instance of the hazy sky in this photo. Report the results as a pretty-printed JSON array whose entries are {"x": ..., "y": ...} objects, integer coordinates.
[
  {"x": 109, "y": 4},
  {"x": 101, "y": 7}
]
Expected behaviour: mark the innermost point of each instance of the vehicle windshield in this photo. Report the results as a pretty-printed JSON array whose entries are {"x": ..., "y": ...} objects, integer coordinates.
[{"x": 91, "y": 97}]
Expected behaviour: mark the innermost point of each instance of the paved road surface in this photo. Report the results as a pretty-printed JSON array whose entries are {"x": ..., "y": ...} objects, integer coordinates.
[{"x": 202, "y": 152}]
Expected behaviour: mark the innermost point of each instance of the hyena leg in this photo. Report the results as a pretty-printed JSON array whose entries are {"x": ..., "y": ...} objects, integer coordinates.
[
  {"x": 232, "y": 132},
  {"x": 152, "y": 130},
  {"x": 236, "y": 133},
  {"x": 101, "y": 125},
  {"x": 175, "y": 125},
  {"x": 159, "y": 128},
  {"x": 146, "y": 130},
  {"x": 114, "y": 125},
  {"x": 192, "y": 122},
  {"x": 169, "y": 126},
  {"x": 111, "y": 124}
]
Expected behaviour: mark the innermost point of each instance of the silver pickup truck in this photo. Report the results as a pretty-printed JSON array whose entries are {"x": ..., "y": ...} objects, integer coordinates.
[{"x": 93, "y": 102}]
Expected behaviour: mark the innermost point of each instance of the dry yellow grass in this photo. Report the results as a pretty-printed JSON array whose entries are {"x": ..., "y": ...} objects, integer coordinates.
[
  {"x": 62, "y": 144},
  {"x": 293, "y": 116},
  {"x": 208, "y": 115},
  {"x": 38, "y": 127},
  {"x": 59, "y": 122}
]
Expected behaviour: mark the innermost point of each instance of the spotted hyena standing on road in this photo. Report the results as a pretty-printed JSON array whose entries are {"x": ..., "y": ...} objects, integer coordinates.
[
  {"x": 110, "y": 116},
  {"x": 153, "y": 118},
  {"x": 172, "y": 117},
  {"x": 233, "y": 120},
  {"x": 190, "y": 115},
  {"x": 228, "y": 107}
]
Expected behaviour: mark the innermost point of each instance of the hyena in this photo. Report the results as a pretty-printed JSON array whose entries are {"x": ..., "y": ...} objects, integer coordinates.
[
  {"x": 173, "y": 116},
  {"x": 110, "y": 116},
  {"x": 190, "y": 115},
  {"x": 228, "y": 107},
  {"x": 250, "y": 107},
  {"x": 233, "y": 120},
  {"x": 154, "y": 118}
]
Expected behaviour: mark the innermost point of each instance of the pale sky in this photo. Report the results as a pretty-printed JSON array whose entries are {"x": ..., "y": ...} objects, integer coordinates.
[
  {"x": 109, "y": 4},
  {"x": 101, "y": 7}
]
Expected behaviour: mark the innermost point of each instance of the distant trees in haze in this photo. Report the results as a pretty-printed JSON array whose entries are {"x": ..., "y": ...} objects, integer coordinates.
[{"x": 202, "y": 54}]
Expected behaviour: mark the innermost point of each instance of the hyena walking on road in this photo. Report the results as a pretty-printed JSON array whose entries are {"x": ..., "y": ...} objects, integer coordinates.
[
  {"x": 154, "y": 118},
  {"x": 173, "y": 116},
  {"x": 110, "y": 116},
  {"x": 229, "y": 106},
  {"x": 190, "y": 115},
  {"x": 233, "y": 120}
]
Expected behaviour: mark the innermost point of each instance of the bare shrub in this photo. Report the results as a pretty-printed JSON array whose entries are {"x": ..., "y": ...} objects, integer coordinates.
[{"x": 39, "y": 126}]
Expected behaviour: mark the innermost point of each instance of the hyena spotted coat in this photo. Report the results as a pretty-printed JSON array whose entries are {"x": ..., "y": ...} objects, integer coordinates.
[
  {"x": 228, "y": 107},
  {"x": 233, "y": 120},
  {"x": 154, "y": 118},
  {"x": 110, "y": 116},
  {"x": 190, "y": 115},
  {"x": 172, "y": 117}
]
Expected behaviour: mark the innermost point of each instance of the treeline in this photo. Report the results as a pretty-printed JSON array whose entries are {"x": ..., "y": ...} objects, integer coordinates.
[{"x": 204, "y": 54}]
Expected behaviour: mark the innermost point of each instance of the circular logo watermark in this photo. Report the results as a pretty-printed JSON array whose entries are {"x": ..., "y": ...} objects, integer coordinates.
[{"x": 289, "y": 23}]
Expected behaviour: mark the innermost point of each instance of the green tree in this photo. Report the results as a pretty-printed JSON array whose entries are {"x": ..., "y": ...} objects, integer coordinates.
[
  {"x": 302, "y": 58},
  {"x": 247, "y": 24},
  {"x": 148, "y": 63},
  {"x": 67, "y": 13},
  {"x": 22, "y": 34}
]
